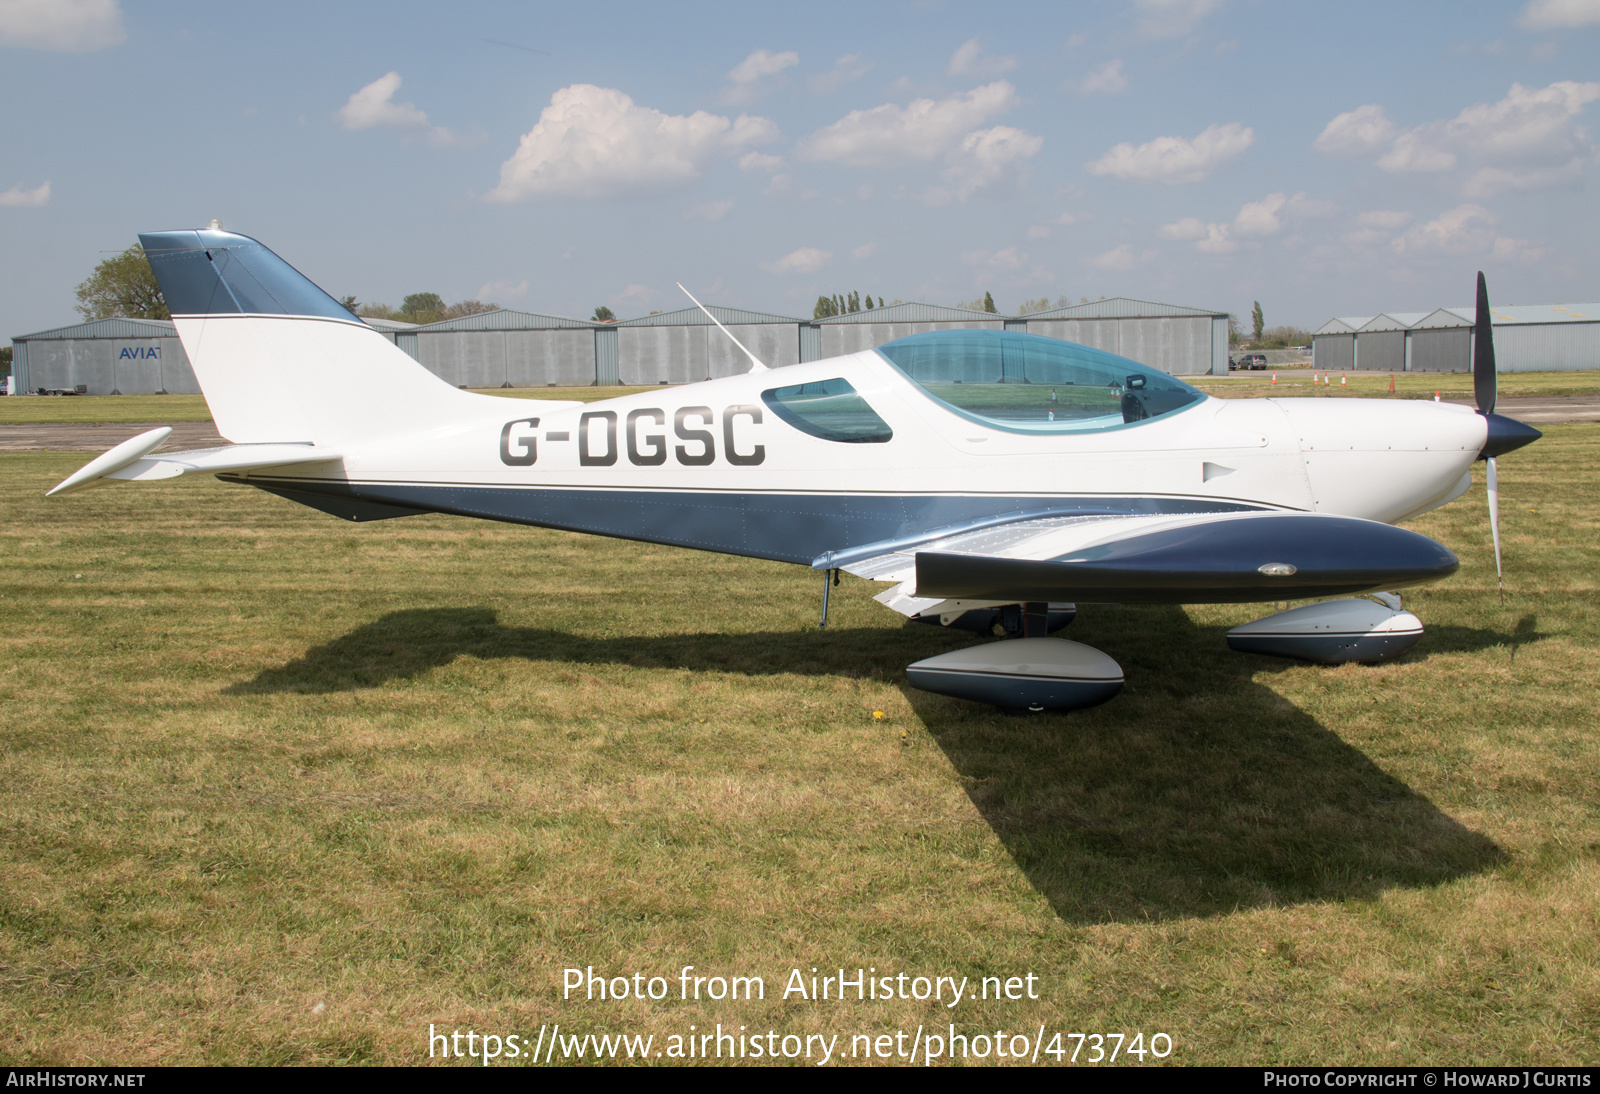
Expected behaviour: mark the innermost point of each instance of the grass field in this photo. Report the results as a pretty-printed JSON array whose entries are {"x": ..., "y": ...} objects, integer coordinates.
[
  {"x": 281, "y": 789},
  {"x": 1291, "y": 382}
]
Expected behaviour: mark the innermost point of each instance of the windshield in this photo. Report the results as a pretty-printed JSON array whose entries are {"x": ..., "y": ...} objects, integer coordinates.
[{"x": 1025, "y": 383}]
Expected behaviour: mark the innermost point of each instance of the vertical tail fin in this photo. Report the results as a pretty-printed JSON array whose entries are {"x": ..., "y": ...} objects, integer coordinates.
[{"x": 279, "y": 359}]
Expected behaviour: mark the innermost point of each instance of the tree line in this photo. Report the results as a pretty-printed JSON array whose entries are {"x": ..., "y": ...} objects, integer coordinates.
[{"x": 125, "y": 286}]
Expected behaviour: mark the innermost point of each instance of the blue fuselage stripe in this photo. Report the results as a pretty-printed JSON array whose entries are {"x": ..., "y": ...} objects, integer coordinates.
[{"x": 782, "y": 527}]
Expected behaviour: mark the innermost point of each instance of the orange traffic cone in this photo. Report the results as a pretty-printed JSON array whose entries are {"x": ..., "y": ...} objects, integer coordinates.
[
  {"x": 1391, "y": 384},
  {"x": 1342, "y": 379},
  {"x": 1436, "y": 396},
  {"x": 1274, "y": 377}
]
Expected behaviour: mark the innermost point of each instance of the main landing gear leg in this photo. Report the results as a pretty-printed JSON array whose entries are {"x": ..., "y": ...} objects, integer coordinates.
[
  {"x": 829, "y": 579},
  {"x": 1035, "y": 620}
]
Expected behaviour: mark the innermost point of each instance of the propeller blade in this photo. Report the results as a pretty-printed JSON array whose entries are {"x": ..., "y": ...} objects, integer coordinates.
[
  {"x": 1494, "y": 526},
  {"x": 1484, "y": 376}
]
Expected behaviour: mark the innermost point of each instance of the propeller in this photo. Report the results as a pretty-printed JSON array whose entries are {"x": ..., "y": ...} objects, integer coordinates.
[
  {"x": 1503, "y": 434},
  {"x": 1485, "y": 386}
]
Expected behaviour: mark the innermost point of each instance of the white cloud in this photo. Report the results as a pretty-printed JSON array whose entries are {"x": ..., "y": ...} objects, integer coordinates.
[
  {"x": 1006, "y": 259},
  {"x": 759, "y": 161},
  {"x": 970, "y": 60},
  {"x": 1211, "y": 238},
  {"x": 1302, "y": 206},
  {"x": 67, "y": 26},
  {"x": 1189, "y": 228},
  {"x": 1536, "y": 127},
  {"x": 804, "y": 260},
  {"x": 595, "y": 142},
  {"x": 894, "y": 136},
  {"x": 1118, "y": 258},
  {"x": 1376, "y": 226},
  {"x": 1466, "y": 229},
  {"x": 986, "y": 156},
  {"x": 374, "y": 105},
  {"x": 1170, "y": 18},
  {"x": 1218, "y": 241},
  {"x": 1039, "y": 231},
  {"x": 1489, "y": 181},
  {"x": 494, "y": 290},
  {"x": 1358, "y": 132},
  {"x": 1260, "y": 218},
  {"x": 1174, "y": 159},
  {"x": 17, "y": 197},
  {"x": 1255, "y": 218},
  {"x": 709, "y": 210},
  {"x": 850, "y": 67},
  {"x": 865, "y": 251},
  {"x": 1414, "y": 151},
  {"x": 762, "y": 63},
  {"x": 1553, "y": 14},
  {"x": 1107, "y": 79},
  {"x": 748, "y": 74}
]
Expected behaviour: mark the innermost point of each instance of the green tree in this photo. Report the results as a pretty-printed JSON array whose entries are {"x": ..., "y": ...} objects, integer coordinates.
[
  {"x": 603, "y": 314},
  {"x": 988, "y": 303},
  {"x": 869, "y": 301},
  {"x": 466, "y": 307},
  {"x": 1028, "y": 307},
  {"x": 422, "y": 307},
  {"x": 1234, "y": 335},
  {"x": 1257, "y": 322},
  {"x": 123, "y": 285},
  {"x": 350, "y": 304}
]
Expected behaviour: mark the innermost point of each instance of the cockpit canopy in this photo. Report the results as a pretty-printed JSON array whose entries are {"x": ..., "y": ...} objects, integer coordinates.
[{"x": 1024, "y": 383}]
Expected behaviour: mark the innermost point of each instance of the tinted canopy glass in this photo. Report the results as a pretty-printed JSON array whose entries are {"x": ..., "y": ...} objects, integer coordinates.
[
  {"x": 1027, "y": 384},
  {"x": 829, "y": 409}
]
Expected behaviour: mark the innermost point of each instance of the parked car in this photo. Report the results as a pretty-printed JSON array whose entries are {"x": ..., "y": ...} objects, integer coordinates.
[{"x": 1255, "y": 362}]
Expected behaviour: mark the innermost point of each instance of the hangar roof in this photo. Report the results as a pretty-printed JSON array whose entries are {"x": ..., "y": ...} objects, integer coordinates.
[
  {"x": 1535, "y": 313},
  {"x": 1123, "y": 307},
  {"x": 694, "y": 317},
  {"x": 1347, "y": 325},
  {"x": 507, "y": 319},
  {"x": 1508, "y": 316},
  {"x": 108, "y": 328}
]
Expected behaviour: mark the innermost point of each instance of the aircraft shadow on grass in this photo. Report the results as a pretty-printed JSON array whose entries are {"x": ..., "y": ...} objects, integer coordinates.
[{"x": 1197, "y": 792}]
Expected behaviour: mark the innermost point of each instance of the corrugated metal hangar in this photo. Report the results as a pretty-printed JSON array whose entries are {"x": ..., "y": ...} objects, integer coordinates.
[
  {"x": 1527, "y": 338},
  {"x": 508, "y": 348}
]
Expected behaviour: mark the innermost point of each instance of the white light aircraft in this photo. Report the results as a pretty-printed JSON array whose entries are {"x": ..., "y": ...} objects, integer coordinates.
[{"x": 993, "y": 480}]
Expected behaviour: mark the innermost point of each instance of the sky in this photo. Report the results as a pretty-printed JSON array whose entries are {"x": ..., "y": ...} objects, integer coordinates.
[{"x": 1322, "y": 159}]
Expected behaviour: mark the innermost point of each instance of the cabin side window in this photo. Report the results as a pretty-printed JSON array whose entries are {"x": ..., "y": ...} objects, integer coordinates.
[{"x": 829, "y": 409}]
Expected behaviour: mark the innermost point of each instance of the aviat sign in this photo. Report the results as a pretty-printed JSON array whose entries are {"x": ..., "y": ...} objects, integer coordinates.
[
  {"x": 644, "y": 437},
  {"x": 140, "y": 353}
]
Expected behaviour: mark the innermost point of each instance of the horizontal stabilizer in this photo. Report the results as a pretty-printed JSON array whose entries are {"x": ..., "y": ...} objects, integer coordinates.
[{"x": 130, "y": 461}]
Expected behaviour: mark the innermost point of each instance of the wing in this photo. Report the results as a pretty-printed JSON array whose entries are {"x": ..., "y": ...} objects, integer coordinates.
[{"x": 1210, "y": 558}]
